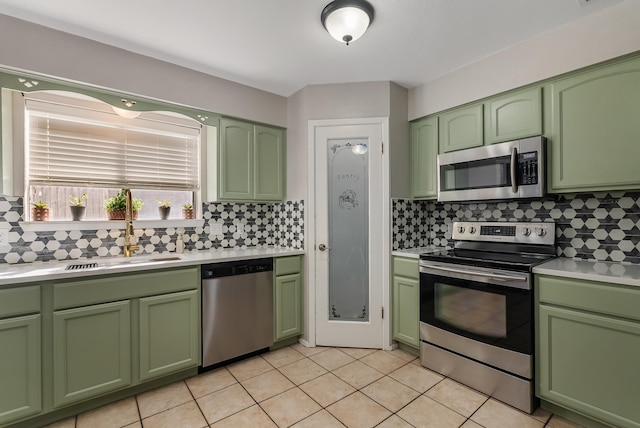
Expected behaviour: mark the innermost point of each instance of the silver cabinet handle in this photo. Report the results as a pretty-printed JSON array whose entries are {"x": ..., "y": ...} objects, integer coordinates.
[
  {"x": 323, "y": 247},
  {"x": 514, "y": 165}
]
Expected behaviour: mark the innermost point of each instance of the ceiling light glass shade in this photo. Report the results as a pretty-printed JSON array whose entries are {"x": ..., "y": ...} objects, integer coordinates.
[
  {"x": 347, "y": 20},
  {"x": 127, "y": 114}
]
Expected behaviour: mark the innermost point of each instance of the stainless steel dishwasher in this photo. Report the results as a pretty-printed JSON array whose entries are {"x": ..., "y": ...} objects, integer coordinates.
[{"x": 237, "y": 309}]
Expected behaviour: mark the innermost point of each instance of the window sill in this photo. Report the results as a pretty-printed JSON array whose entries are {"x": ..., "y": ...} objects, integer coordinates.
[{"x": 49, "y": 226}]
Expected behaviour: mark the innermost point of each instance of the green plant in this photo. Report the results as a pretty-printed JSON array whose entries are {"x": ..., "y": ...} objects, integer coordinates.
[
  {"x": 119, "y": 202},
  {"x": 187, "y": 206},
  {"x": 41, "y": 205},
  {"x": 164, "y": 203},
  {"x": 77, "y": 201}
]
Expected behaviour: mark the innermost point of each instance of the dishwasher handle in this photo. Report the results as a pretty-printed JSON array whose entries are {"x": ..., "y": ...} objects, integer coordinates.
[{"x": 240, "y": 267}]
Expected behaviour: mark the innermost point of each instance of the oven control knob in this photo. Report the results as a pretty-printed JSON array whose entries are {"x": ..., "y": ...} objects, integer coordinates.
[
  {"x": 472, "y": 230},
  {"x": 526, "y": 231},
  {"x": 460, "y": 229},
  {"x": 541, "y": 232}
]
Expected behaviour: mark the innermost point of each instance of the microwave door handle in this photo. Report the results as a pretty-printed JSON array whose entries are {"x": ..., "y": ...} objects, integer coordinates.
[
  {"x": 496, "y": 276},
  {"x": 514, "y": 165}
]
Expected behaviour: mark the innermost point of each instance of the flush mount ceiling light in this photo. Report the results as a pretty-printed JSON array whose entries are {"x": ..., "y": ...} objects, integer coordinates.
[{"x": 347, "y": 20}]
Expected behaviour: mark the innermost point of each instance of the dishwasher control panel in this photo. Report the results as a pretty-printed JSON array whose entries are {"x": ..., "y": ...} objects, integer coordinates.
[{"x": 241, "y": 267}]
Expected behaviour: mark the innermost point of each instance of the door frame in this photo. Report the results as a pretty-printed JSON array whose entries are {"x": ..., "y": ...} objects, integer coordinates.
[{"x": 310, "y": 225}]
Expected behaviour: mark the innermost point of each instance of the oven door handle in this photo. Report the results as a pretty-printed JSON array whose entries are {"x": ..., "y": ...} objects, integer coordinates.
[{"x": 496, "y": 276}]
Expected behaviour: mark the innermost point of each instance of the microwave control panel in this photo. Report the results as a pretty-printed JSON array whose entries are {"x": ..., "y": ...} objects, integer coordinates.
[{"x": 528, "y": 166}]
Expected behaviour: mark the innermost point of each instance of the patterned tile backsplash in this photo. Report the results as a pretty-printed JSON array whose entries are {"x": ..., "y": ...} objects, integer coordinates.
[
  {"x": 279, "y": 224},
  {"x": 600, "y": 226}
]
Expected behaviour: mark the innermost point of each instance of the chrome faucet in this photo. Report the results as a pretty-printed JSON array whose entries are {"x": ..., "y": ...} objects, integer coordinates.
[{"x": 129, "y": 248}]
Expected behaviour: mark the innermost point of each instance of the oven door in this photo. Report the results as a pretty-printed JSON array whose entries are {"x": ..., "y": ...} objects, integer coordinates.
[{"x": 484, "y": 305}]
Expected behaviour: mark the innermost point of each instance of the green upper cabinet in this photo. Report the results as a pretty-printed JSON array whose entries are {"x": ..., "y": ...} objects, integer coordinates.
[
  {"x": 251, "y": 162},
  {"x": 424, "y": 156},
  {"x": 269, "y": 160},
  {"x": 591, "y": 120},
  {"x": 461, "y": 128},
  {"x": 513, "y": 116},
  {"x": 235, "y": 179}
]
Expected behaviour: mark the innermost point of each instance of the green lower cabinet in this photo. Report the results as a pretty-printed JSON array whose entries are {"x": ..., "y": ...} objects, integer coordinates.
[
  {"x": 91, "y": 351},
  {"x": 287, "y": 298},
  {"x": 288, "y": 306},
  {"x": 591, "y": 121},
  {"x": 20, "y": 372},
  {"x": 406, "y": 301},
  {"x": 588, "y": 348},
  {"x": 168, "y": 333}
]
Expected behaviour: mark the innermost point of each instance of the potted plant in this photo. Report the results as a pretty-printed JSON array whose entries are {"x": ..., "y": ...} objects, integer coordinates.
[
  {"x": 117, "y": 205},
  {"x": 164, "y": 208},
  {"x": 40, "y": 211},
  {"x": 187, "y": 211},
  {"x": 77, "y": 207}
]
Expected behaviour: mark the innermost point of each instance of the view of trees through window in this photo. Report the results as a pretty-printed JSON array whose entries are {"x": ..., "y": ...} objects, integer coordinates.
[{"x": 59, "y": 198}]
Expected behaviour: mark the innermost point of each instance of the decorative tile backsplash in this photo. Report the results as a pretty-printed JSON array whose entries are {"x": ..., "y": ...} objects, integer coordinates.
[
  {"x": 278, "y": 224},
  {"x": 600, "y": 226}
]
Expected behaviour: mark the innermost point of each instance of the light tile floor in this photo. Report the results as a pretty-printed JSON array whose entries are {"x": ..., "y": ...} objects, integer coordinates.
[{"x": 315, "y": 387}]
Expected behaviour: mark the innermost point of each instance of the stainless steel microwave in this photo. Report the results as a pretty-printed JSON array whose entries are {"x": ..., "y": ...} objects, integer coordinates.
[{"x": 511, "y": 170}]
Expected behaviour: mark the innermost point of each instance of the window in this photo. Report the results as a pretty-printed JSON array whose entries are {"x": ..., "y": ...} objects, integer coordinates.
[{"x": 76, "y": 145}]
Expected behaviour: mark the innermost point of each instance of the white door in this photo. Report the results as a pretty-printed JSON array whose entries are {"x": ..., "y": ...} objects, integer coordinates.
[{"x": 349, "y": 235}]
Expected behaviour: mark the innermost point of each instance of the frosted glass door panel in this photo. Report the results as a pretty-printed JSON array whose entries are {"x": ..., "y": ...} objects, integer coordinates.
[{"x": 348, "y": 230}]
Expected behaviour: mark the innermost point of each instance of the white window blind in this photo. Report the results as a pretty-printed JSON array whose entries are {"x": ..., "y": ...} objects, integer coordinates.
[{"x": 79, "y": 146}]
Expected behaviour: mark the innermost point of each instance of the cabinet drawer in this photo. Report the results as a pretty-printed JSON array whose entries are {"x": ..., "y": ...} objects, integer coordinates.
[
  {"x": 126, "y": 286},
  {"x": 406, "y": 267},
  {"x": 19, "y": 301},
  {"x": 288, "y": 265},
  {"x": 605, "y": 298}
]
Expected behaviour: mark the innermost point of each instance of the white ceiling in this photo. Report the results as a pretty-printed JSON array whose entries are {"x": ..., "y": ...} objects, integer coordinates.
[{"x": 280, "y": 45}]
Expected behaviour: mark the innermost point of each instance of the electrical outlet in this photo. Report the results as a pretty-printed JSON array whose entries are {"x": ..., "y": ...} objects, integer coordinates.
[
  {"x": 4, "y": 236},
  {"x": 240, "y": 228},
  {"x": 216, "y": 229}
]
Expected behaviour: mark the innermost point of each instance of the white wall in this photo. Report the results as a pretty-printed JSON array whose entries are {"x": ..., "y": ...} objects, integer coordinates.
[
  {"x": 30, "y": 47},
  {"x": 610, "y": 33}
]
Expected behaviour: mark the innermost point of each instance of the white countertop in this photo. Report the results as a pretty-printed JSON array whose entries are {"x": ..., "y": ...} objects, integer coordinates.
[
  {"x": 34, "y": 272},
  {"x": 414, "y": 253},
  {"x": 615, "y": 273}
]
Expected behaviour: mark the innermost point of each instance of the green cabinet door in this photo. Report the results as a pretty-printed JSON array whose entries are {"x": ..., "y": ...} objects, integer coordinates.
[
  {"x": 406, "y": 301},
  {"x": 20, "y": 373},
  {"x": 424, "y": 156},
  {"x": 287, "y": 293},
  {"x": 91, "y": 351},
  {"x": 589, "y": 363},
  {"x": 406, "y": 307},
  {"x": 168, "y": 333},
  {"x": 591, "y": 121},
  {"x": 269, "y": 161},
  {"x": 235, "y": 160},
  {"x": 513, "y": 116},
  {"x": 461, "y": 128}
]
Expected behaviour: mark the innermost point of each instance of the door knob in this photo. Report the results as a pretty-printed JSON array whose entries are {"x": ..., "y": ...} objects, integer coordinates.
[{"x": 323, "y": 247}]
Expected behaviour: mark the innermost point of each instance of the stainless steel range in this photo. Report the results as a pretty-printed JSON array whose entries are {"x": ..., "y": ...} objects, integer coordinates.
[{"x": 476, "y": 307}]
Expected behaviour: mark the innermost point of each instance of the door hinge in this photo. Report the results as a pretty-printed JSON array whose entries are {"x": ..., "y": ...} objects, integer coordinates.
[
  {"x": 382, "y": 312},
  {"x": 382, "y": 148}
]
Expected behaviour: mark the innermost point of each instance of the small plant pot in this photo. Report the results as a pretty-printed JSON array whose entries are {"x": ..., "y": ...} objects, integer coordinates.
[
  {"x": 77, "y": 212},
  {"x": 188, "y": 213},
  {"x": 119, "y": 215},
  {"x": 164, "y": 212},
  {"x": 39, "y": 214}
]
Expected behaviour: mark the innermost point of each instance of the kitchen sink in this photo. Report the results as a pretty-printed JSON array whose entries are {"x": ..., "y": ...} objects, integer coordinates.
[{"x": 120, "y": 261}]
